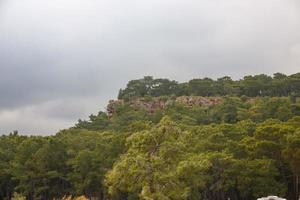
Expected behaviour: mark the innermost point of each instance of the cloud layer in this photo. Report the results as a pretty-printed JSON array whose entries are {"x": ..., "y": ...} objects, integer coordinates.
[{"x": 61, "y": 60}]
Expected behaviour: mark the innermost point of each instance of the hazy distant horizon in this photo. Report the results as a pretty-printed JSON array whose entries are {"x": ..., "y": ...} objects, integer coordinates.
[{"x": 62, "y": 60}]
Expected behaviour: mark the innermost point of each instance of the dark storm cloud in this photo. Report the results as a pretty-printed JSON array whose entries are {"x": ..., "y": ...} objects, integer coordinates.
[{"x": 61, "y": 60}]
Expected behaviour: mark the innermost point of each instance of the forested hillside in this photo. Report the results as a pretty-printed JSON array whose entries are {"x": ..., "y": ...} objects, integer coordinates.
[{"x": 164, "y": 140}]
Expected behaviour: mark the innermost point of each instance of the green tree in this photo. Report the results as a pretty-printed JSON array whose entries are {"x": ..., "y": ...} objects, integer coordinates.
[{"x": 149, "y": 166}]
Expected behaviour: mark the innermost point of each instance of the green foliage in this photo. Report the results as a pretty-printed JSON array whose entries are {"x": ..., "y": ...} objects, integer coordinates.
[
  {"x": 251, "y": 86},
  {"x": 239, "y": 148},
  {"x": 17, "y": 196},
  {"x": 153, "y": 163}
]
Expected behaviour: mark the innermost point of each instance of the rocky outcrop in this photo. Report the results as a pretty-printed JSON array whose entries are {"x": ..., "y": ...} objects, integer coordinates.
[
  {"x": 198, "y": 100},
  {"x": 112, "y": 106},
  {"x": 152, "y": 104}
]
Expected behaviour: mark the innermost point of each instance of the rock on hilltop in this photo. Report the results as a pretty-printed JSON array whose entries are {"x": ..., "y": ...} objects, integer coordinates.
[{"x": 153, "y": 104}]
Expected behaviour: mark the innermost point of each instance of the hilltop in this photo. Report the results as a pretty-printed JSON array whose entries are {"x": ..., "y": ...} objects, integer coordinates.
[
  {"x": 251, "y": 86},
  {"x": 191, "y": 110},
  {"x": 203, "y": 139}
]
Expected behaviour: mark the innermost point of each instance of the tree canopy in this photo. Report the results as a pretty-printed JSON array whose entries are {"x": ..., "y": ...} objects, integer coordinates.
[
  {"x": 244, "y": 146},
  {"x": 252, "y": 86}
]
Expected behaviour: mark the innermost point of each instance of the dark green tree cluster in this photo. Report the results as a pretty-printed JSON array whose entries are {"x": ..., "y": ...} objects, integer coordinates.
[
  {"x": 238, "y": 161},
  {"x": 252, "y": 86},
  {"x": 241, "y": 148},
  {"x": 74, "y": 162}
]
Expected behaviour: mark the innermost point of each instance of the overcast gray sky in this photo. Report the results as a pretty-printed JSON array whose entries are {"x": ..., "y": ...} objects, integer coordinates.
[{"x": 61, "y": 60}]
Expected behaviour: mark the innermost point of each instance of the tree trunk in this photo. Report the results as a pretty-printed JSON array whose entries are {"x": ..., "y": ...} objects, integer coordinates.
[{"x": 296, "y": 187}]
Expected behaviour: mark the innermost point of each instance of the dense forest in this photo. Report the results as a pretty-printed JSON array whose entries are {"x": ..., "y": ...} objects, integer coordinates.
[
  {"x": 251, "y": 86},
  {"x": 163, "y": 140}
]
